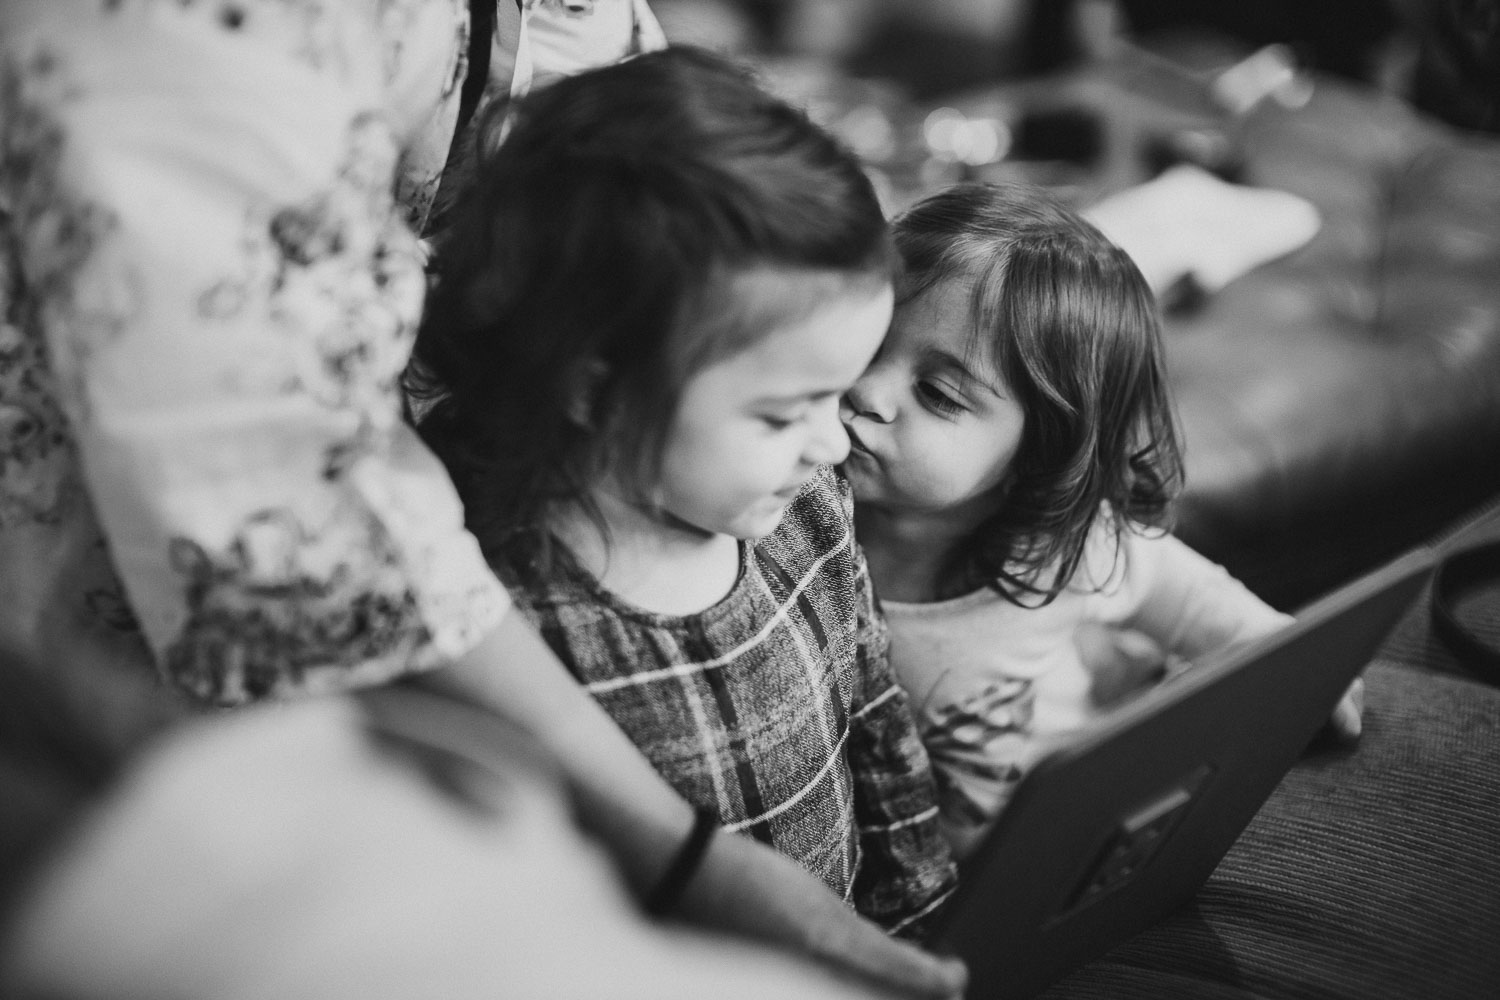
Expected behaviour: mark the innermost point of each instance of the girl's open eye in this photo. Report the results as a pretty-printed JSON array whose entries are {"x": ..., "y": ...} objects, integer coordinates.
[{"x": 936, "y": 398}]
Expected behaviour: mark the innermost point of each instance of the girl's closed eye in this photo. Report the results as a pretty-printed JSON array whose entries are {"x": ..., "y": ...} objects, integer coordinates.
[
  {"x": 781, "y": 421},
  {"x": 788, "y": 413},
  {"x": 938, "y": 398}
]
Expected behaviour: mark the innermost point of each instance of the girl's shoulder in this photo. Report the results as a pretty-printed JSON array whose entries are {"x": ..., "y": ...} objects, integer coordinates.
[
  {"x": 825, "y": 499},
  {"x": 1118, "y": 550},
  {"x": 818, "y": 523}
]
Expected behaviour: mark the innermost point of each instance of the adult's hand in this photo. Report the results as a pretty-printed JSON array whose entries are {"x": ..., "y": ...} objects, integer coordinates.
[{"x": 747, "y": 889}]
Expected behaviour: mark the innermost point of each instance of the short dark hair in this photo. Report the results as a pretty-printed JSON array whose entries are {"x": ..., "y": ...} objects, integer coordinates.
[
  {"x": 594, "y": 245},
  {"x": 1073, "y": 328}
]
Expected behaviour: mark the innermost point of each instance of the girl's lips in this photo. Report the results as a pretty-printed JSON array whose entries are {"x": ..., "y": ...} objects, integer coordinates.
[{"x": 855, "y": 444}]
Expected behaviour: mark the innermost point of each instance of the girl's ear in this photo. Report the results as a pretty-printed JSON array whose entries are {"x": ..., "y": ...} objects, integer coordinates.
[{"x": 584, "y": 382}]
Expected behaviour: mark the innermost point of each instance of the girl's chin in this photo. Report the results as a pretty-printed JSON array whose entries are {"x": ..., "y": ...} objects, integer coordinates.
[
  {"x": 761, "y": 523},
  {"x": 858, "y": 469},
  {"x": 746, "y": 526}
]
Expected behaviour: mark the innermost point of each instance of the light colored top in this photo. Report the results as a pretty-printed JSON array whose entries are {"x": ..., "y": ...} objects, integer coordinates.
[
  {"x": 991, "y": 681},
  {"x": 207, "y": 293},
  {"x": 209, "y": 285},
  {"x": 562, "y": 37},
  {"x": 211, "y": 295}
]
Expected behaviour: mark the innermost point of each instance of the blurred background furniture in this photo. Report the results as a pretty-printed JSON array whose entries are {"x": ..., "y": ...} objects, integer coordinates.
[
  {"x": 1443, "y": 55},
  {"x": 1343, "y": 403}
]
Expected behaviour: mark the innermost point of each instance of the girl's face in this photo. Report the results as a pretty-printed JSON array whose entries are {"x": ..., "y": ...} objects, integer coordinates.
[
  {"x": 932, "y": 425},
  {"x": 751, "y": 428}
]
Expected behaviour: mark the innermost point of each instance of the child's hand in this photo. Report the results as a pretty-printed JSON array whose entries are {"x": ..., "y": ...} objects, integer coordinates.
[
  {"x": 1347, "y": 719},
  {"x": 1120, "y": 661}
]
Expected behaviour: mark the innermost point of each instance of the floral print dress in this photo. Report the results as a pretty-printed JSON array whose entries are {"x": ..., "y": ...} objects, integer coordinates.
[{"x": 209, "y": 284}]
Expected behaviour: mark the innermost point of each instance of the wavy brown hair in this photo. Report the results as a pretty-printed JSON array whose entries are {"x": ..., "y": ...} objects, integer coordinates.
[
  {"x": 1073, "y": 328},
  {"x": 591, "y": 251}
]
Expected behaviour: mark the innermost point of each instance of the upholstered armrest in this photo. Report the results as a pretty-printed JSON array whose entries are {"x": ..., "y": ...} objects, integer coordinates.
[{"x": 1342, "y": 403}]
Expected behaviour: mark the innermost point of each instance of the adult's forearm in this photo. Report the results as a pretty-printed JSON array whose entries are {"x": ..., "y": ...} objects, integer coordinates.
[
  {"x": 620, "y": 798},
  {"x": 286, "y": 852},
  {"x": 741, "y": 886}
]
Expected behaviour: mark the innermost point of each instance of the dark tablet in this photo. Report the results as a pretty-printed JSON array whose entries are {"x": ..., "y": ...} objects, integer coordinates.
[{"x": 1115, "y": 828}]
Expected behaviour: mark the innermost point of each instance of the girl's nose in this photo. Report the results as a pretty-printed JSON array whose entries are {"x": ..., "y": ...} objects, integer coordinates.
[
  {"x": 866, "y": 398},
  {"x": 829, "y": 442}
]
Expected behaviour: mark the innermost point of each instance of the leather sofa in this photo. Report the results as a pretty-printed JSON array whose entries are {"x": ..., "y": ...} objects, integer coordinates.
[{"x": 1343, "y": 403}]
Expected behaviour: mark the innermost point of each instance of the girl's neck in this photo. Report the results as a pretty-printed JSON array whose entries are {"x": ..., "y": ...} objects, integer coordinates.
[
  {"x": 911, "y": 555},
  {"x": 648, "y": 559}
]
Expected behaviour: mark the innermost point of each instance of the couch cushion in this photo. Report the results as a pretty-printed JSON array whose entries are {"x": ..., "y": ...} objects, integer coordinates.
[{"x": 1343, "y": 403}]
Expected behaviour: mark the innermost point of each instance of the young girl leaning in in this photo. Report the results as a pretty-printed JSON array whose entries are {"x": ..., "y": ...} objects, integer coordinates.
[
  {"x": 656, "y": 290},
  {"x": 1014, "y": 459}
]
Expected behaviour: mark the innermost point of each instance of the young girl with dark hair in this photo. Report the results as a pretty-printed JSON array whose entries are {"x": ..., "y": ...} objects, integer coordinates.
[
  {"x": 1014, "y": 461},
  {"x": 654, "y": 292}
]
